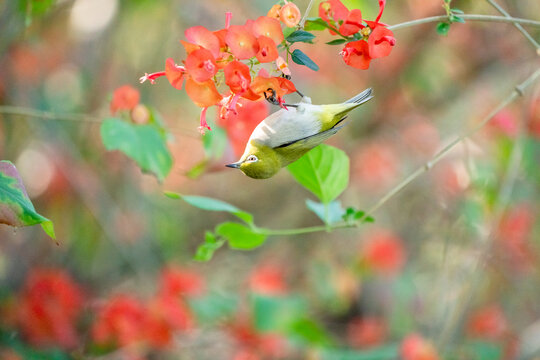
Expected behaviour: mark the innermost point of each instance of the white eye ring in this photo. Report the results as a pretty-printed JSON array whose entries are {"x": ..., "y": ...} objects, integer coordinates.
[{"x": 252, "y": 158}]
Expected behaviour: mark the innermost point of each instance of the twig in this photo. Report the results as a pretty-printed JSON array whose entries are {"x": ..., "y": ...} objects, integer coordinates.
[
  {"x": 470, "y": 17},
  {"x": 306, "y": 14},
  {"x": 16, "y": 110},
  {"x": 517, "y": 25}
]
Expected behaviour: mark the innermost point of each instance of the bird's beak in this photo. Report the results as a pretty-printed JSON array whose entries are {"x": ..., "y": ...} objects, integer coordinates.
[{"x": 235, "y": 165}]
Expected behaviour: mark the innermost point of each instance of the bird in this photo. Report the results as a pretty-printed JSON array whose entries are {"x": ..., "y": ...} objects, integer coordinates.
[{"x": 287, "y": 134}]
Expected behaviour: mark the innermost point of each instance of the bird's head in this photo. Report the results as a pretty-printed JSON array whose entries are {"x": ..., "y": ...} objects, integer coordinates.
[{"x": 258, "y": 162}]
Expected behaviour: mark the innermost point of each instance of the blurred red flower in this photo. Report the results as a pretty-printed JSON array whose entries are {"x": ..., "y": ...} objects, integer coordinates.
[
  {"x": 264, "y": 345},
  {"x": 383, "y": 252},
  {"x": 487, "y": 322},
  {"x": 124, "y": 98},
  {"x": 268, "y": 280},
  {"x": 165, "y": 316},
  {"x": 366, "y": 332},
  {"x": 175, "y": 282},
  {"x": 241, "y": 124},
  {"x": 120, "y": 322},
  {"x": 375, "y": 165},
  {"x": 48, "y": 308},
  {"x": 415, "y": 347},
  {"x": 513, "y": 236}
]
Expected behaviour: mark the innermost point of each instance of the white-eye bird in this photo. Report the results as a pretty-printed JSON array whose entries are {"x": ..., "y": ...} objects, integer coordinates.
[{"x": 286, "y": 135}]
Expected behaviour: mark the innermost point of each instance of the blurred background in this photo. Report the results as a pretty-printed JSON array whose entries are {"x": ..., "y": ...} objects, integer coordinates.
[{"x": 449, "y": 269}]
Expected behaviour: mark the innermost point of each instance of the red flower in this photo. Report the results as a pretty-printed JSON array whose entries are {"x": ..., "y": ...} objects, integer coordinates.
[
  {"x": 290, "y": 14},
  {"x": 415, "y": 347},
  {"x": 124, "y": 98},
  {"x": 356, "y": 54},
  {"x": 274, "y": 12},
  {"x": 48, "y": 308},
  {"x": 366, "y": 332},
  {"x": 383, "y": 252},
  {"x": 487, "y": 323},
  {"x": 201, "y": 65},
  {"x": 333, "y": 11},
  {"x": 267, "y": 50},
  {"x": 381, "y": 41},
  {"x": 176, "y": 282},
  {"x": 352, "y": 24},
  {"x": 120, "y": 322},
  {"x": 268, "y": 280},
  {"x": 242, "y": 42},
  {"x": 237, "y": 77},
  {"x": 165, "y": 316},
  {"x": 201, "y": 36},
  {"x": 241, "y": 124}
]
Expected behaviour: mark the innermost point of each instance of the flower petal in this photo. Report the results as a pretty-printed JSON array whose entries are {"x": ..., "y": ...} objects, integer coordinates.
[
  {"x": 381, "y": 41},
  {"x": 202, "y": 94},
  {"x": 269, "y": 27},
  {"x": 175, "y": 74},
  {"x": 242, "y": 42},
  {"x": 237, "y": 77},
  {"x": 201, "y": 65},
  {"x": 352, "y": 24},
  {"x": 356, "y": 54},
  {"x": 267, "y": 50},
  {"x": 202, "y": 36},
  {"x": 290, "y": 14}
]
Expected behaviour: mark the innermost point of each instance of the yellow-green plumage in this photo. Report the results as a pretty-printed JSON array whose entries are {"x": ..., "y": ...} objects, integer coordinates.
[{"x": 286, "y": 135}]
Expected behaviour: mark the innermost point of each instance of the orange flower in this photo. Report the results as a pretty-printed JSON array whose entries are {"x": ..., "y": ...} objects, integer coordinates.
[
  {"x": 356, "y": 54},
  {"x": 242, "y": 42},
  {"x": 175, "y": 74},
  {"x": 202, "y": 94},
  {"x": 201, "y": 36},
  {"x": 124, "y": 98},
  {"x": 290, "y": 14},
  {"x": 267, "y": 50},
  {"x": 269, "y": 27},
  {"x": 201, "y": 65},
  {"x": 268, "y": 280},
  {"x": 237, "y": 77},
  {"x": 48, "y": 308},
  {"x": 333, "y": 12},
  {"x": 274, "y": 11},
  {"x": 282, "y": 66}
]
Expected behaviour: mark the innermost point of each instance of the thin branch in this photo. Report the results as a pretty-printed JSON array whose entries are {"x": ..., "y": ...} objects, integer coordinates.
[
  {"x": 470, "y": 17},
  {"x": 16, "y": 110},
  {"x": 517, "y": 25},
  {"x": 306, "y": 14}
]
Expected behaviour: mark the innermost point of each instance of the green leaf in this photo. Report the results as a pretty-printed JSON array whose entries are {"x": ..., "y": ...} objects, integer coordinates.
[
  {"x": 142, "y": 143},
  {"x": 329, "y": 213},
  {"x": 308, "y": 331},
  {"x": 316, "y": 24},
  {"x": 240, "y": 236},
  {"x": 16, "y": 209},
  {"x": 210, "y": 204},
  {"x": 213, "y": 308},
  {"x": 443, "y": 28},
  {"x": 337, "y": 42},
  {"x": 353, "y": 214},
  {"x": 324, "y": 171},
  {"x": 300, "y": 36},
  {"x": 276, "y": 313},
  {"x": 484, "y": 350},
  {"x": 302, "y": 59},
  {"x": 457, "y": 11},
  {"x": 206, "y": 250},
  {"x": 455, "y": 18}
]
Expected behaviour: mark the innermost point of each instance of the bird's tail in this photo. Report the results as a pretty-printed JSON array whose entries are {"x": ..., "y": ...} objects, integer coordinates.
[{"x": 361, "y": 98}]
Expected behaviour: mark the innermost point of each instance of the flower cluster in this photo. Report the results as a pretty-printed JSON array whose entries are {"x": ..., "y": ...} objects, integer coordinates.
[
  {"x": 229, "y": 57},
  {"x": 366, "y": 40}
]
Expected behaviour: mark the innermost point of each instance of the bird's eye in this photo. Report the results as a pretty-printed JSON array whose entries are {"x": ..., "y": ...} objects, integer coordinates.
[{"x": 252, "y": 158}]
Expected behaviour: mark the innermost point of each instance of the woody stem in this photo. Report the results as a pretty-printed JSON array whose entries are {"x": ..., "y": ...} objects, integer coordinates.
[{"x": 470, "y": 17}]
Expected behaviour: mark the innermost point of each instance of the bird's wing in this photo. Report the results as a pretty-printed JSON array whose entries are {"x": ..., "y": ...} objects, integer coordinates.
[{"x": 309, "y": 142}]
